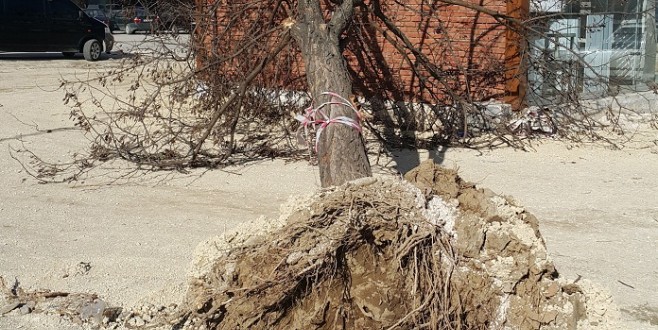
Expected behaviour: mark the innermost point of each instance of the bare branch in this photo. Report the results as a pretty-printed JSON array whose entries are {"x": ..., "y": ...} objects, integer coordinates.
[
  {"x": 242, "y": 90},
  {"x": 342, "y": 17}
]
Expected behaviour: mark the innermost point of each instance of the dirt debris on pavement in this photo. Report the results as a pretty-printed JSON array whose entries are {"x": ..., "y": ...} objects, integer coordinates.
[
  {"x": 430, "y": 251},
  {"x": 383, "y": 254},
  {"x": 83, "y": 309},
  {"x": 78, "y": 308}
]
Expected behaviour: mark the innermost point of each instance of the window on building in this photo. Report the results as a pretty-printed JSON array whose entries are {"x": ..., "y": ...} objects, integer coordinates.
[{"x": 585, "y": 46}]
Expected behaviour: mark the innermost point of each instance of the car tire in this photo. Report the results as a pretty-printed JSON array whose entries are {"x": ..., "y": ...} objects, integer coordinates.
[
  {"x": 92, "y": 50},
  {"x": 174, "y": 29},
  {"x": 68, "y": 54},
  {"x": 129, "y": 30}
]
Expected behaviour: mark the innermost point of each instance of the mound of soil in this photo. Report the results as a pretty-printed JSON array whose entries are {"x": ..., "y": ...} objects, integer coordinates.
[{"x": 429, "y": 252}]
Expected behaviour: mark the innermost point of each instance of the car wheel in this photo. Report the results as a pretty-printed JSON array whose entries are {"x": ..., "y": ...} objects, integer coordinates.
[
  {"x": 92, "y": 50},
  {"x": 174, "y": 29},
  {"x": 129, "y": 30},
  {"x": 68, "y": 54}
]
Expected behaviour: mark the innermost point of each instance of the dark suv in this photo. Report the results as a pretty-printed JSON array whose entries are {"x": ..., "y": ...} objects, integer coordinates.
[{"x": 49, "y": 26}]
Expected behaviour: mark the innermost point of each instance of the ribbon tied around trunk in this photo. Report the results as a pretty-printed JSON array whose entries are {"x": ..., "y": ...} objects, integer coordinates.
[{"x": 316, "y": 118}]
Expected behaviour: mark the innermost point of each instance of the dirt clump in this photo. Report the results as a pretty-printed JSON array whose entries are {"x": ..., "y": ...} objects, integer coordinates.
[{"x": 384, "y": 254}]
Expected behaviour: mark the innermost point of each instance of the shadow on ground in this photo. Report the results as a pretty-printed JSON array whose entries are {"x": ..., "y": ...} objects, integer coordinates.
[
  {"x": 408, "y": 159},
  {"x": 49, "y": 56}
]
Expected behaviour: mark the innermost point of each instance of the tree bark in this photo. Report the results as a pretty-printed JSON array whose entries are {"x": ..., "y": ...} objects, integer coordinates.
[{"x": 341, "y": 149}]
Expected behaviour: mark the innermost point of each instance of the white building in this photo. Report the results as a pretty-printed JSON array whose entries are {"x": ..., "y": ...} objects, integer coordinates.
[{"x": 591, "y": 48}]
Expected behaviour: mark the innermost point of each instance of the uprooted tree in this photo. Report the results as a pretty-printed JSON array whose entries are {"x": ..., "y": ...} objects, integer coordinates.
[
  {"x": 322, "y": 31},
  {"x": 341, "y": 151},
  {"x": 412, "y": 74}
]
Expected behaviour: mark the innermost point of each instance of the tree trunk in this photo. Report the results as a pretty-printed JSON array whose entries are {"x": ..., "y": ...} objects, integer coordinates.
[{"x": 341, "y": 149}]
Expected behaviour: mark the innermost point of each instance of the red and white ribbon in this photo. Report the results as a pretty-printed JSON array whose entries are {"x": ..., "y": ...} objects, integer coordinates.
[{"x": 314, "y": 116}]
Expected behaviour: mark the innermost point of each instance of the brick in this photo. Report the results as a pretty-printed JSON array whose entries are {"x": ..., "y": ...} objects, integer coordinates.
[{"x": 449, "y": 37}]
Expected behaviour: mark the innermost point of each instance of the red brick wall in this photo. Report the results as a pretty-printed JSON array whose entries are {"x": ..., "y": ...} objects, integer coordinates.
[{"x": 466, "y": 47}]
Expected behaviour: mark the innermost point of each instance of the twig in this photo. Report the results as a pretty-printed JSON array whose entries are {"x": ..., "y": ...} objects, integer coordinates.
[
  {"x": 626, "y": 284},
  {"x": 243, "y": 88}
]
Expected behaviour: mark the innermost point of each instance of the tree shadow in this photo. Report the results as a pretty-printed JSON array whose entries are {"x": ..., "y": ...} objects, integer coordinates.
[
  {"x": 19, "y": 137},
  {"x": 55, "y": 56},
  {"x": 407, "y": 159},
  {"x": 427, "y": 77}
]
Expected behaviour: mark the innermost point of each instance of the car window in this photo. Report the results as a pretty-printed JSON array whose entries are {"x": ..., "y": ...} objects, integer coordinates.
[
  {"x": 25, "y": 9},
  {"x": 63, "y": 9},
  {"x": 95, "y": 12},
  {"x": 140, "y": 12}
]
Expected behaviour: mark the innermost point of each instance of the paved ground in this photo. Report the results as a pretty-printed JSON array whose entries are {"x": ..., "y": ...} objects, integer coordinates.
[{"x": 598, "y": 207}]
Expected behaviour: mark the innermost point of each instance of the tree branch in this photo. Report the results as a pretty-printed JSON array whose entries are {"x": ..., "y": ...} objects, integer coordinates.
[
  {"x": 285, "y": 40},
  {"x": 308, "y": 10},
  {"x": 511, "y": 20},
  {"x": 341, "y": 17}
]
